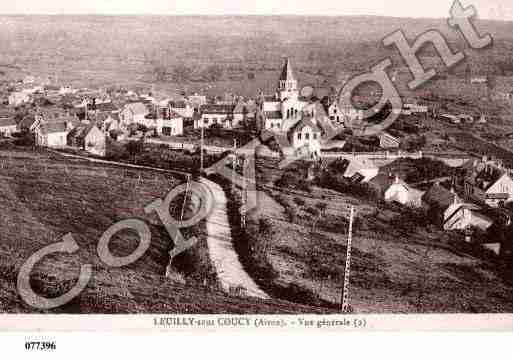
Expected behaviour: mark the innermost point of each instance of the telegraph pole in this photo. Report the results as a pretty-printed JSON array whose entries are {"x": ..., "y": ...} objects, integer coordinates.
[
  {"x": 345, "y": 289},
  {"x": 185, "y": 197},
  {"x": 234, "y": 162},
  {"x": 243, "y": 196},
  {"x": 201, "y": 148}
]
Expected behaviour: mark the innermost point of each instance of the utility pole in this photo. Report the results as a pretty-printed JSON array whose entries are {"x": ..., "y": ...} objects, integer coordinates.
[
  {"x": 185, "y": 197},
  {"x": 243, "y": 196},
  {"x": 201, "y": 148},
  {"x": 234, "y": 162},
  {"x": 345, "y": 289}
]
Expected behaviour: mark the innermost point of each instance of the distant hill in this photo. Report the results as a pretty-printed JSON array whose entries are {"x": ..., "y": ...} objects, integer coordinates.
[{"x": 128, "y": 48}]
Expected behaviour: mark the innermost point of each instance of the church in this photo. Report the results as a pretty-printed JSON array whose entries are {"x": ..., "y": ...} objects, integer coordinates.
[
  {"x": 282, "y": 110},
  {"x": 298, "y": 123}
]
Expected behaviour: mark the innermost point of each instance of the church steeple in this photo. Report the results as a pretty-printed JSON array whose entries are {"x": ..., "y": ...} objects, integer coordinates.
[
  {"x": 287, "y": 85},
  {"x": 286, "y": 73}
]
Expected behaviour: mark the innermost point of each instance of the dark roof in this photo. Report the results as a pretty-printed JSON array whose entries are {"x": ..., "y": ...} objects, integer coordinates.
[
  {"x": 486, "y": 178},
  {"x": 303, "y": 123},
  {"x": 178, "y": 104},
  {"x": 382, "y": 181},
  {"x": 439, "y": 196},
  {"x": 81, "y": 131},
  {"x": 106, "y": 107},
  {"x": 26, "y": 122},
  {"x": 273, "y": 115}
]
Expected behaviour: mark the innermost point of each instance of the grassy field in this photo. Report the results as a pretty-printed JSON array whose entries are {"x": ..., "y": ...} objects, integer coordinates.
[
  {"x": 45, "y": 196},
  {"x": 401, "y": 263}
]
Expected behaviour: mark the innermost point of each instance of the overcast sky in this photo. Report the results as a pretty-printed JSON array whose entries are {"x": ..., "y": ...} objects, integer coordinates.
[{"x": 489, "y": 9}]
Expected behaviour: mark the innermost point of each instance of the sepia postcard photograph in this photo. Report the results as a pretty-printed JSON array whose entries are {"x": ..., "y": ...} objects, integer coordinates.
[{"x": 237, "y": 165}]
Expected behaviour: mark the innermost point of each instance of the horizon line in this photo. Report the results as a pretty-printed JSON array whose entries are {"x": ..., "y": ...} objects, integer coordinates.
[{"x": 245, "y": 15}]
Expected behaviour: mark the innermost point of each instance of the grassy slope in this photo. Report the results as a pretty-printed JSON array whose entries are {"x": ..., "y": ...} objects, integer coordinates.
[
  {"x": 44, "y": 197},
  {"x": 397, "y": 267}
]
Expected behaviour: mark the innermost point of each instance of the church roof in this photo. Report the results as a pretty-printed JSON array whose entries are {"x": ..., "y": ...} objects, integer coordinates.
[
  {"x": 273, "y": 115},
  {"x": 286, "y": 73}
]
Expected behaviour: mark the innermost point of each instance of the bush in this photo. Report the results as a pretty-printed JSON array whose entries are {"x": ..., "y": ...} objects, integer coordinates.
[
  {"x": 293, "y": 180},
  {"x": 25, "y": 139},
  {"x": 314, "y": 212},
  {"x": 299, "y": 201}
]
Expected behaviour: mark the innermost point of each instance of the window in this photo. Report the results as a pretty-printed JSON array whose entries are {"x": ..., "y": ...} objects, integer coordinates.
[
  {"x": 307, "y": 136},
  {"x": 314, "y": 136},
  {"x": 299, "y": 136}
]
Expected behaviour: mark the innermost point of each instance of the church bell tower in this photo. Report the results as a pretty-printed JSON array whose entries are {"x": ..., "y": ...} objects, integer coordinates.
[{"x": 287, "y": 85}]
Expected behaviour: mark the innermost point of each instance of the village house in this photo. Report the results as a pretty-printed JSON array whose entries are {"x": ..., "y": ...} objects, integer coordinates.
[
  {"x": 170, "y": 125},
  {"x": 51, "y": 127},
  {"x": 89, "y": 138},
  {"x": 341, "y": 115},
  {"x": 52, "y": 134},
  {"x": 196, "y": 101},
  {"x": 415, "y": 108},
  {"x": 361, "y": 170},
  {"x": 239, "y": 114},
  {"x": 489, "y": 182},
  {"x": 450, "y": 118},
  {"x": 393, "y": 189},
  {"x": 305, "y": 138},
  {"x": 438, "y": 198},
  {"x": 402, "y": 193},
  {"x": 388, "y": 141},
  {"x": 182, "y": 108},
  {"x": 460, "y": 216},
  {"x": 8, "y": 124},
  {"x": 221, "y": 115},
  {"x": 335, "y": 114},
  {"x": 135, "y": 112},
  {"x": 111, "y": 126}
]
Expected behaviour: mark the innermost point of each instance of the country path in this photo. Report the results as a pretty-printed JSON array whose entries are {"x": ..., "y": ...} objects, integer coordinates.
[{"x": 226, "y": 262}]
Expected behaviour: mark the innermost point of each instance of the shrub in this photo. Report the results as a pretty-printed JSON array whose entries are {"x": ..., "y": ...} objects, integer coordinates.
[
  {"x": 314, "y": 212},
  {"x": 299, "y": 201}
]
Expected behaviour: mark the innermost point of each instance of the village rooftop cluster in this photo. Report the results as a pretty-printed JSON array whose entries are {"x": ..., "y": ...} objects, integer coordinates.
[{"x": 90, "y": 121}]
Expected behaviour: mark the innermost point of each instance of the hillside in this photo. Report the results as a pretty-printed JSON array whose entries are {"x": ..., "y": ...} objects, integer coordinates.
[
  {"x": 107, "y": 50},
  {"x": 401, "y": 261},
  {"x": 44, "y": 196}
]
